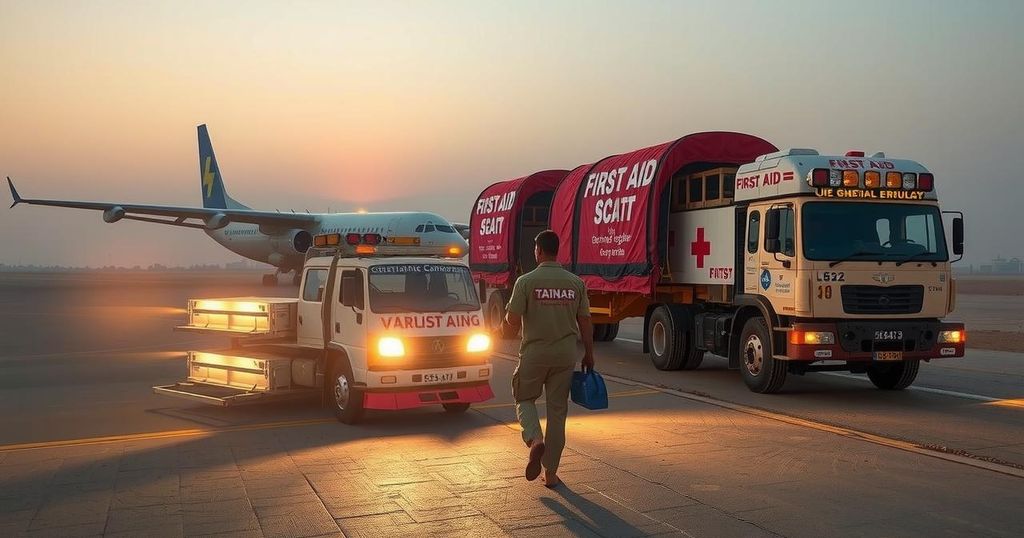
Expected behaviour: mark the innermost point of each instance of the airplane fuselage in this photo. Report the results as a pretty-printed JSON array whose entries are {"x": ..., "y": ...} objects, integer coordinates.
[{"x": 285, "y": 248}]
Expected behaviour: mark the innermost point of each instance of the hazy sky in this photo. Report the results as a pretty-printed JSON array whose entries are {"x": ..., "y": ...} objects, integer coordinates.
[{"x": 419, "y": 105}]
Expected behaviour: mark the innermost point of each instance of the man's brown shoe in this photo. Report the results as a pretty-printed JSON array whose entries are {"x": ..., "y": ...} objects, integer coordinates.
[{"x": 533, "y": 467}]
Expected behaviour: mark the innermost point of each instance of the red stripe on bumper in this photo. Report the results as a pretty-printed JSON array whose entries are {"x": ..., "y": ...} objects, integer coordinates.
[{"x": 394, "y": 401}]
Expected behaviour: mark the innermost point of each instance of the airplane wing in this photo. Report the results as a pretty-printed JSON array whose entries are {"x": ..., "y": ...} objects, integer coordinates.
[{"x": 188, "y": 217}]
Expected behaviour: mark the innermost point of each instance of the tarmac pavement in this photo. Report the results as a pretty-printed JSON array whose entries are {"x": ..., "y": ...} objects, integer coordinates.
[{"x": 86, "y": 449}]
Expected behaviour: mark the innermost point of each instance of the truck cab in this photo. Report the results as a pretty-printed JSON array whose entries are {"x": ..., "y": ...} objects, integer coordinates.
[
  {"x": 377, "y": 325},
  {"x": 852, "y": 252}
]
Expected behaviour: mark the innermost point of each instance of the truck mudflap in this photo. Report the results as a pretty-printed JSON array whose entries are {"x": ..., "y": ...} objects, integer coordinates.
[
  {"x": 421, "y": 397},
  {"x": 225, "y": 396},
  {"x": 873, "y": 340}
]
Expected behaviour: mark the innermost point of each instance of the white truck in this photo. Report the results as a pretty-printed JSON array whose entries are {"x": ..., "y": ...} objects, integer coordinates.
[{"x": 380, "y": 323}]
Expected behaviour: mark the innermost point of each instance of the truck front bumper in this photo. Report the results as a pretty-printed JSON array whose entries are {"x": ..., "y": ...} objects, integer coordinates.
[
  {"x": 412, "y": 397},
  {"x": 870, "y": 340}
]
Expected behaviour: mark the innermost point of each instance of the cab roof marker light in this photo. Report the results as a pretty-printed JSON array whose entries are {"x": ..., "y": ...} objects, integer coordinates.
[
  {"x": 353, "y": 239},
  {"x": 872, "y": 179},
  {"x": 851, "y": 178},
  {"x": 893, "y": 180},
  {"x": 854, "y": 153},
  {"x": 909, "y": 181},
  {"x": 925, "y": 182},
  {"x": 835, "y": 178},
  {"x": 819, "y": 177}
]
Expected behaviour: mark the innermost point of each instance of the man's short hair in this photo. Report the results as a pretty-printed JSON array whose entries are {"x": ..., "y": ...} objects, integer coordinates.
[{"x": 547, "y": 242}]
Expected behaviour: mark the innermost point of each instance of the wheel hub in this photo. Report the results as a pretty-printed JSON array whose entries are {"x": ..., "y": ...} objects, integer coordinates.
[
  {"x": 659, "y": 338},
  {"x": 753, "y": 355},
  {"x": 341, "y": 391}
]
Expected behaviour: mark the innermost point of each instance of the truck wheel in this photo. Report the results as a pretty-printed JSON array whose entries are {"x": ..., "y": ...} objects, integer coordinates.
[
  {"x": 694, "y": 357},
  {"x": 896, "y": 376},
  {"x": 761, "y": 372},
  {"x": 600, "y": 332},
  {"x": 613, "y": 331},
  {"x": 456, "y": 407},
  {"x": 666, "y": 344},
  {"x": 347, "y": 399}
]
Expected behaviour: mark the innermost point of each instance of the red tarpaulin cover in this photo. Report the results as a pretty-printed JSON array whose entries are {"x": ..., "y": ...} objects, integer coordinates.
[
  {"x": 494, "y": 225},
  {"x": 617, "y": 209}
]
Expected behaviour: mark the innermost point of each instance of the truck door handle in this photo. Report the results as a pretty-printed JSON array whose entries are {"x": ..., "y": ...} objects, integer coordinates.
[{"x": 337, "y": 326}]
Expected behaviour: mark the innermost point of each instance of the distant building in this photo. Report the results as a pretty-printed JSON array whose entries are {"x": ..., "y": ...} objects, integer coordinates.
[{"x": 1003, "y": 266}]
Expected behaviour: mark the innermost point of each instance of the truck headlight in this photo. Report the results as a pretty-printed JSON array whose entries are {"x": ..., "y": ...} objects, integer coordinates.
[
  {"x": 812, "y": 338},
  {"x": 390, "y": 346},
  {"x": 952, "y": 337},
  {"x": 478, "y": 342}
]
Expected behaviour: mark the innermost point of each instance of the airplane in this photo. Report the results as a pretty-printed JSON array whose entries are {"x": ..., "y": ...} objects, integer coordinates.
[{"x": 279, "y": 239}]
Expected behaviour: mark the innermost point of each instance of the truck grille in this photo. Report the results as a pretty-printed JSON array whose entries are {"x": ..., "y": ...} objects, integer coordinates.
[{"x": 882, "y": 299}]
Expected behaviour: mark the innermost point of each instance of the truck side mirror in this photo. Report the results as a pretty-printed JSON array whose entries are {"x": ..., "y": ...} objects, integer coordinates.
[
  {"x": 352, "y": 291},
  {"x": 958, "y": 236},
  {"x": 772, "y": 230}
]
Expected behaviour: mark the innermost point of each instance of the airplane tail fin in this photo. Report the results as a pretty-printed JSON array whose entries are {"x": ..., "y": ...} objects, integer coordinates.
[
  {"x": 14, "y": 192},
  {"x": 215, "y": 196}
]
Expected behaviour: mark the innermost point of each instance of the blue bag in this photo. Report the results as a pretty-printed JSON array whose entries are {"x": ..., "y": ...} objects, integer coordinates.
[{"x": 588, "y": 390}]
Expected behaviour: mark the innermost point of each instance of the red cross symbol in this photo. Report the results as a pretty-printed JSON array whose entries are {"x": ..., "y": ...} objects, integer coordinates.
[{"x": 700, "y": 248}]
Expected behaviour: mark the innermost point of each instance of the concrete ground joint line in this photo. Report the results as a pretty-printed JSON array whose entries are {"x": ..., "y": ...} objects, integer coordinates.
[
  {"x": 319, "y": 498},
  {"x": 630, "y": 508},
  {"x": 849, "y": 433}
]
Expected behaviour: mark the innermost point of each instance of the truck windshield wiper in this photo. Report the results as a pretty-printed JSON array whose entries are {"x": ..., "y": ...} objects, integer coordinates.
[
  {"x": 852, "y": 255},
  {"x": 912, "y": 256}
]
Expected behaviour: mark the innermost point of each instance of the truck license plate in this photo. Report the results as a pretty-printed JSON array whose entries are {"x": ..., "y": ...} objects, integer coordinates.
[
  {"x": 888, "y": 355},
  {"x": 438, "y": 378},
  {"x": 888, "y": 335}
]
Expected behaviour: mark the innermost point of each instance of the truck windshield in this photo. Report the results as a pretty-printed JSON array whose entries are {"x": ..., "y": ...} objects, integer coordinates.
[
  {"x": 421, "y": 288},
  {"x": 864, "y": 231}
]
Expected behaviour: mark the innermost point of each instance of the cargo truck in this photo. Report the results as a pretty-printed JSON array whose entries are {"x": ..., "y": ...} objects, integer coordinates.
[
  {"x": 379, "y": 323},
  {"x": 784, "y": 262}
]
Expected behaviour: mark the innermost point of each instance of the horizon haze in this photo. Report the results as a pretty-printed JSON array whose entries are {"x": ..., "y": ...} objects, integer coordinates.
[{"x": 408, "y": 106}]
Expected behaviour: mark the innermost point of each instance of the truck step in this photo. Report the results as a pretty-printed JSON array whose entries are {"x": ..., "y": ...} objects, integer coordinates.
[{"x": 228, "y": 396}]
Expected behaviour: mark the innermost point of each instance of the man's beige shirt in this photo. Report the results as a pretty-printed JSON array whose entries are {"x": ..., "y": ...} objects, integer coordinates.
[{"x": 549, "y": 298}]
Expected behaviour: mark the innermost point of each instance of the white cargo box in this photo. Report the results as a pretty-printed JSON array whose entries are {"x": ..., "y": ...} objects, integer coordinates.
[
  {"x": 265, "y": 316},
  {"x": 250, "y": 373}
]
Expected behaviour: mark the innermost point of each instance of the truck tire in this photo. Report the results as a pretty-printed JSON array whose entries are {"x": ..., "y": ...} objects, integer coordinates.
[
  {"x": 667, "y": 344},
  {"x": 456, "y": 407},
  {"x": 762, "y": 372},
  {"x": 896, "y": 376},
  {"x": 496, "y": 316},
  {"x": 605, "y": 332},
  {"x": 346, "y": 399},
  {"x": 694, "y": 357}
]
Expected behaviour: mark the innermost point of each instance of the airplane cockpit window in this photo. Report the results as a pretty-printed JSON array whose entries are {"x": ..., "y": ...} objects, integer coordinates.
[{"x": 445, "y": 228}]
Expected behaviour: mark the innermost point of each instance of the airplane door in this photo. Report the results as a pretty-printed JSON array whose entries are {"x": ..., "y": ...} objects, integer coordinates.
[{"x": 310, "y": 329}]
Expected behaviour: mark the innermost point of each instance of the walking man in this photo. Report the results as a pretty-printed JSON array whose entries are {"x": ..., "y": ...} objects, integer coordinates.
[{"x": 551, "y": 305}]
